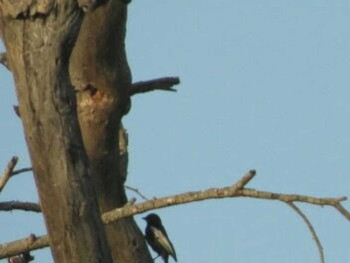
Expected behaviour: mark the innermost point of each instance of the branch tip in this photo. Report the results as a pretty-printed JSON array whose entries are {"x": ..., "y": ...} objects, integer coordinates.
[
  {"x": 253, "y": 172},
  {"x": 32, "y": 238},
  {"x": 243, "y": 181},
  {"x": 16, "y": 205},
  {"x": 8, "y": 171},
  {"x": 155, "y": 84},
  {"x": 14, "y": 161}
]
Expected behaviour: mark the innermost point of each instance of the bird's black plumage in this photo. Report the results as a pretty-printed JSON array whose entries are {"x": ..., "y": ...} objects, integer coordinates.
[{"x": 157, "y": 237}]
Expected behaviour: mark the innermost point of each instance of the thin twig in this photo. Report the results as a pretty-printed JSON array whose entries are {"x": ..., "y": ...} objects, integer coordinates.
[
  {"x": 137, "y": 192},
  {"x": 132, "y": 201},
  {"x": 343, "y": 211},
  {"x": 23, "y": 170},
  {"x": 311, "y": 228},
  {"x": 16, "y": 205},
  {"x": 154, "y": 84},
  {"x": 8, "y": 171}
]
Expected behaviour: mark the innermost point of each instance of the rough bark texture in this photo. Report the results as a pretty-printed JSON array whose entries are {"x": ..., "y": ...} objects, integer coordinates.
[
  {"x": 39, "y": 37},
  {"x": 102, "y": 79}
]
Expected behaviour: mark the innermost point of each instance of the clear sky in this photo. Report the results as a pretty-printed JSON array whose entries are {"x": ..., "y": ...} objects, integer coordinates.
[{"x": 265, "y": 86}]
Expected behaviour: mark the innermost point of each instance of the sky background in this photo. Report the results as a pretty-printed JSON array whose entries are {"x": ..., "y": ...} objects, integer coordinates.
[{"x": 265, "y": 86}]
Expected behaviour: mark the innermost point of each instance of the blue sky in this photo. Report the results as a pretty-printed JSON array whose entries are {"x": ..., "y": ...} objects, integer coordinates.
[{"x": 265, "y": 86}]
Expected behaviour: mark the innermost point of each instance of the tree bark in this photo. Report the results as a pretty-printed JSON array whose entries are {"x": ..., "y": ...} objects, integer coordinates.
[
  {"x": 39, "y": 37},
  {"x": 101, "y": 77}
]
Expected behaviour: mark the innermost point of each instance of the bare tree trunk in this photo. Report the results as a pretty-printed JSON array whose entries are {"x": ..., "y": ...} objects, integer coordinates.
[
  {"x": 102, "y": 79},
  {"x": 39, "y": 37}
]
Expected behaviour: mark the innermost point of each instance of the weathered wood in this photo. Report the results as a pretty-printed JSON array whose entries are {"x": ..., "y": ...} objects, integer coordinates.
[
  {"x": 38, "y": 46},
  {"x": 101, "y": 77}
]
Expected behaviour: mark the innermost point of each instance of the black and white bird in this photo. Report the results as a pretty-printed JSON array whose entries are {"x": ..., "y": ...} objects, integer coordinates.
[{"x": 157, "y": 238}]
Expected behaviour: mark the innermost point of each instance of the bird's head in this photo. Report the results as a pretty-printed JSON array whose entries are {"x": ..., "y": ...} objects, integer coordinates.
[{"x": 153, "y": 219}]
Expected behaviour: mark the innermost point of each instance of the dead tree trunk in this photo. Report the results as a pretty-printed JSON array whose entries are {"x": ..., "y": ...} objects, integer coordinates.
[
  {"x": 75, "y": 161},
  {"x": 101, "y": 76}
]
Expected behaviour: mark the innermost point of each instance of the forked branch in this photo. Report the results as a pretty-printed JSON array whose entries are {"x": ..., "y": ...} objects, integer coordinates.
[
  {"x": 26, "y": 244},
  {"x": 236, "y": 190}
]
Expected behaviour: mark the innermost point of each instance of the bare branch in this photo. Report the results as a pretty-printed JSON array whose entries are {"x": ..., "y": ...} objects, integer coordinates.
[
  {"x": 27, "y": 244},
  {"x": 16, "y": 205},
  {"x": 311, "y": 228},
  {"x": 3, "y": 60},
  {"x": 154, "y": 84},
  {"x": 137, "y": 192},
  {"x": 7, "y": 173},
  {"x": 236, "y": 190},
  {"x": 290, "y": 197},
  {"x": 216, "y": 193},
  {"x": 23, "y": 170}
]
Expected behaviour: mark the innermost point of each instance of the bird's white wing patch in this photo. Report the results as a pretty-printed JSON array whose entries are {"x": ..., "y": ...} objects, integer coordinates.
[{"x": 163, "y": 240}]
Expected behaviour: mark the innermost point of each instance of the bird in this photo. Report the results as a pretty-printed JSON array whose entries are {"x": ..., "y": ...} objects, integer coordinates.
[
  {"x": 25, "y": 257},
  {"x": 157, "y": 237}
]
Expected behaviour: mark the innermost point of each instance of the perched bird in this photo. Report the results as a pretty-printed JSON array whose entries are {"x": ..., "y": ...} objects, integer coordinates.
[
  {"x": 25, "y": 257},
  {"x": 157, "y": 237}
]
